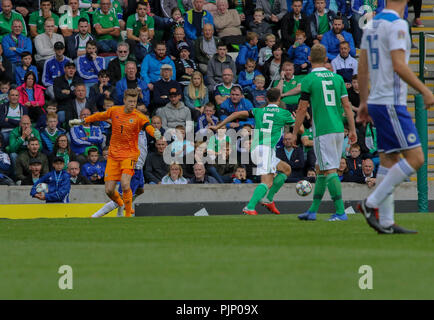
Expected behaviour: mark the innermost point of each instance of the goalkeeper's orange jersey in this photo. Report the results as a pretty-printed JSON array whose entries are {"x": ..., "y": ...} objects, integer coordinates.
[{"x": 125, "y": 131}]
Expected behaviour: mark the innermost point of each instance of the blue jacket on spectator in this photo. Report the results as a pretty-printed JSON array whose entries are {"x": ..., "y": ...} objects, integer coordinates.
[
  {"x": 202, "y": 123},
  {"x": 331, "y": 43},
  {"x": 23, "y": 44},
  {"x": 190, "y": 30},
  {"x": 59, "y": 186},
  {"x": 140, "y": 51},
  {"x": 300, "y": 54},
  {"x": 78, "y": 145},
  {"x": 88, "y": 69},
  {"x": 243, "y": 82},
  {"x": 89, "y": 169},
  {"x": 308, "y": 6},
  {"x": 20, "y": 73},
  {"x": 246, "y": 52},
  {"x": 151, "y": 66},
  {"x": 227, "y": 108},
  {"x": 53, "y": 69},
  {"x": 356, "y": 6},
  {"x": 258, "y": 97},
  {"x": 121, "y": 86}
]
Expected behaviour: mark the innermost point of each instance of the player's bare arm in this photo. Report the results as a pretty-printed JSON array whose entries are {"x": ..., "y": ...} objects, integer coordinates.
[
  {"x": 352, "y": 135},
  {"x": 403, "y": 70},
  {"x": 236, "y": 115},
  {"x": 363, "y": 79}
]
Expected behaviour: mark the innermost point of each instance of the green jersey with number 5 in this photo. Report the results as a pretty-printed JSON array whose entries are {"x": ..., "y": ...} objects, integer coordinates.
[
  {"x": 269, "y": 124},
  {"x": 325, "y": 90}
]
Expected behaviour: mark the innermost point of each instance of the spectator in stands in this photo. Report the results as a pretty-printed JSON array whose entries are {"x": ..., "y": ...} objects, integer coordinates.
[
  {"x": 195, "y": 19},
  {"x": 23, "y": 159},
  {"x": 152, "y": 64},
  {"x": 266, "y": 52},
  {"x": 223, "y": 169},
  {"x": 174, "y": 42},
  {"x": 240, "y": 175},
  {"x": 62, "y": 149},
  {"x": 307, "y": 143},
  {"x": 368, "y": 173},
  {"x": 292, "y": 156},
  {"x": 294, "y": 21},
  {"x": 5, "y": 86},
  {"x": 356, "y": 11},
  {"x": 155, "y": 166},
  {"x": 259, "y": 25},
  {"x": 74, "y": 108},
  {"x": 167, "y": 6},
  {"x": 205, "y": 47},
  {"x": 343, "y": 171},
  {"x": 354, "y": 163},
  {"x": 175, "y": 112},
  {"x": 354, "y": 93},
  {"x": 93, "y": 170},
  {"x": 25, "y": 7},
  {"x": 258, "y": 93},
  {"x": 344, "y": 64},
  {"x": 107, "y": 27},
  {"x": 74, "y": 172},
  {"x": 299, "y": 54},
  {"x": 144, "y": 46},
  {"x": 6, "y": 167},
  {"x": 69, "y": 22},
  {"x": 64, "y": 88},
  {"x": 157, "y": 124},
  {"x": 54, "y": 67},
  {"x": 247, "y": 76},
  {"x": 101, "y": 90},
  {"x": 136, "y": 22},
  {"x": 44, "y": 43},
  {"x": 11, "y": 113},
  {"x": 274, "y": 11},
  {"x": 58, "y": 182},
  {"x": 163, "y": 86},
  {"x": 248, "y": 50},
  {"x": 85, "y": 136},
  {"x": 37, "y": 18},
  {"x": 32, "y": 96},
  {"x": 286, "y": 85},
  {"x": 222, "y": 90},
  {"x": 130, "y": 81},
  {"x": 19, "y": 138},
  {"x": 236, "y": 102},
  {"x": 185, "y": 66},
  {"x": 273, "y": 66},
  {"x": 332, "y": 39},
  {"x": 174, "y": 176},
  {"x": 26, "y": 65},
  {"x": 35, "y": 168},
  {"x": 50, "y": 134},
  {"x": 208, "y": 118},
  {"x": 196, "y": 95},
  {"x": 321, "y": 21},
  {"x": 116, "y": 67},
  {"x": 227, "y": 23},
  {"x": 116, "y": 7},
  {"x": 8, "y": 16},
  {"x": 200, "y": 176},
  {"x": 15, "y": 43},
  {"x": 76, "y": 43},
  {"x": 90, "y": 64},
  {"x": 216, "y": 66}
]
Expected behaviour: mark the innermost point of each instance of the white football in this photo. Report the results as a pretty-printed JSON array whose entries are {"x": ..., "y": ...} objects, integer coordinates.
[
  {"x": 303, "y": 188},
  {"x": 42, "y": 187}
]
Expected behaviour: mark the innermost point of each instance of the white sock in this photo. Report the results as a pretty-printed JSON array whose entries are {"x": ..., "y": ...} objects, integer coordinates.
[
  {"x": 397, "y": 174},
  {"x": 386, "y": 209},
  {"x": 109, "y": 206}
]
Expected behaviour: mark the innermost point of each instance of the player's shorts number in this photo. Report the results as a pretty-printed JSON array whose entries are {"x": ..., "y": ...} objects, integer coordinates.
[{"x": 329, "y": 94}]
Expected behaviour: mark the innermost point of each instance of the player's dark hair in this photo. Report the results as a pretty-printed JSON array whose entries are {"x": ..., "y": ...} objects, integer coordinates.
[{"x": 273, "y": 95}]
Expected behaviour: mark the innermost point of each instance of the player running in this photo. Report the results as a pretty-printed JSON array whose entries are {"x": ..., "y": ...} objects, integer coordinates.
[
  {"x": 269, "y": 125},
  {"x": 385, "y": 51},
  {"x": 127, "y": 123},
  {"x": 325, "y": 91}
]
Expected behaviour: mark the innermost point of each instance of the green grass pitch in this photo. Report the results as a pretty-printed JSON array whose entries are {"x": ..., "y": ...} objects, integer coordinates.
[{"x": 215, "y": 257}]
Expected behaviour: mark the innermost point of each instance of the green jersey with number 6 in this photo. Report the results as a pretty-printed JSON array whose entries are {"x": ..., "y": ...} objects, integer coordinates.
[
  {"x": 269, "y": 123},
  {"x": 325, "y": 90}
]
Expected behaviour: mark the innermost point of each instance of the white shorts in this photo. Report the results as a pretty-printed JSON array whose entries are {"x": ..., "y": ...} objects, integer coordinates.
[
  {"x": 265, "y": 159},
  {"x": 328, "y": 150}
]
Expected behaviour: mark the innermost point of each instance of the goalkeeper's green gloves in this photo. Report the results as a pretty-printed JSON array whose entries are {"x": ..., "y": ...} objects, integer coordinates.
[
  {"x": 75, "y": 122},
  {"x": 157, "y": 134}
]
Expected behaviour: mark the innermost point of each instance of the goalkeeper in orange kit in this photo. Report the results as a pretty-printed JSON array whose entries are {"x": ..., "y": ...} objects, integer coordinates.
[{"x": 127, "y": 123}]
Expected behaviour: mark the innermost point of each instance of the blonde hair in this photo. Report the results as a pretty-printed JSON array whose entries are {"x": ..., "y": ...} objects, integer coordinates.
[
  {"x": 192, "y": 89},
  {"x": 181, "y": 172},
  {"x": 318, "y": 53}
]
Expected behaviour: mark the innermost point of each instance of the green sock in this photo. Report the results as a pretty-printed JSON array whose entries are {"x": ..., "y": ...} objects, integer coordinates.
[
  {"x": 318, "y": 193},
  {"x": 335, "y": 189},
  {"x": 278, "y": 182},
  {"x": 258, "y": 194}
]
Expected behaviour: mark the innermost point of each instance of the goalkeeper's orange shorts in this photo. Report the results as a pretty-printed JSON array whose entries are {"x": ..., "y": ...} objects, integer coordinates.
[{"x": 115, "y": 168}]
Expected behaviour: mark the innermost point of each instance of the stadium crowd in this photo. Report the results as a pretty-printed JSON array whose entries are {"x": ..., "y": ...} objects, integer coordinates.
[{"x": 57, "y": 65}]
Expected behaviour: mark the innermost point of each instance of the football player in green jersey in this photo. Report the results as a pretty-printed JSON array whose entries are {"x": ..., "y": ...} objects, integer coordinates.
[
  {"x": 325, "y": 91},
  {"x": 269, "y": 125}
]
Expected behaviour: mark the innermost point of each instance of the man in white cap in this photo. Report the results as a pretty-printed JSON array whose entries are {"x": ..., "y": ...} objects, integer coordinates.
[{"x": 163, "y": 86}]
